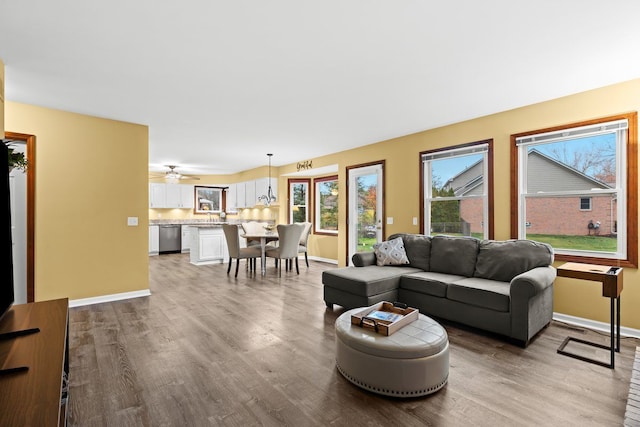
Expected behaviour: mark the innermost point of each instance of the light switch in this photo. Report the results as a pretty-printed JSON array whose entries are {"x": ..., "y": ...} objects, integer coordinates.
[
  {"x": 389, "y": 220},
  {"x": 132, "y": 221}
]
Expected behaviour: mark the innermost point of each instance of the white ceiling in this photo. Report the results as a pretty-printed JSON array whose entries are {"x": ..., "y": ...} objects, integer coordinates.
[{"x": 223, "y": 83}]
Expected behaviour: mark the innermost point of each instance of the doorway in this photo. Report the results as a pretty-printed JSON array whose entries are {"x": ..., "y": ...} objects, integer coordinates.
[
  {"x": 22, "y": 187},
  {"x": 365, "y": 207}
]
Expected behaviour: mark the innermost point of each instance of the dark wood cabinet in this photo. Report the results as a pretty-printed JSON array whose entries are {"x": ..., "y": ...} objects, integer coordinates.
[{"x": 35, "y": 396}]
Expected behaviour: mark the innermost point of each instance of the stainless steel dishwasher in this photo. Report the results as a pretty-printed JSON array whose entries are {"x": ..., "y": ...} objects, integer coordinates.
[{"x": 170, "y": 238}]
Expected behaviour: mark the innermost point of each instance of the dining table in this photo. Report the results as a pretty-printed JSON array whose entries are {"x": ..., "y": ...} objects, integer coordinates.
[{"x": 264, "y": 237}]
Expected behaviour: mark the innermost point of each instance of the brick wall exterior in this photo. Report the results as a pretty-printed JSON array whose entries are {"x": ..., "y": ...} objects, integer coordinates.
[
  {"x": 471, "y": 212},
  {"x": 562, "y": 215},
  {"x": 553, "y": 215}
]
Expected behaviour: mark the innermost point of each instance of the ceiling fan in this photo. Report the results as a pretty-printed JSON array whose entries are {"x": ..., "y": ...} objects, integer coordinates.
[{"x": 172, "y": 175}]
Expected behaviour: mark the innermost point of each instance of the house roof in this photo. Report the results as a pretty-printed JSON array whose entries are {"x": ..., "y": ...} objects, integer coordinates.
[
  {"x": 467, "y": 181},
  {"x": 550, "y": 175}
]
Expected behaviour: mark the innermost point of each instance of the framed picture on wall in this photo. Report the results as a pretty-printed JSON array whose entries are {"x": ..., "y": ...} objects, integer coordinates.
[{"x": 207, "y": 199}]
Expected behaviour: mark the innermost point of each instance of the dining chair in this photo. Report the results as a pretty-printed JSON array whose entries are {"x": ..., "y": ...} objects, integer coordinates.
[
  {"x": 253, "y": 227},
  {"x": 288, "y": 242},
  {"x": 304, "y": 240},
  {"x": 235, "y": 251}
]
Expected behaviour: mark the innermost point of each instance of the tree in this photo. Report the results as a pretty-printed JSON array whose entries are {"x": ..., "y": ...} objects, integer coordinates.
[
  {"x": 596, "y": 158},
  {"x": 329, "y": 205},
  {"x": 299, "y": 202},
  {"x": 446, "y": 210}
]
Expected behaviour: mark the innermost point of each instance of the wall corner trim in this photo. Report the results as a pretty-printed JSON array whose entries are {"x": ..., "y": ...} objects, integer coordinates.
[
  {"x": 594, "y": 325},
  {"x": 109, "y": 298}
]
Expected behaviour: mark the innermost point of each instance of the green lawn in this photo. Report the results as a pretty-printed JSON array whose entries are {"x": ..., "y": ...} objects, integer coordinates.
[
  {"x": 365, "y": 244},
  {"x": 588, "y": 243}
]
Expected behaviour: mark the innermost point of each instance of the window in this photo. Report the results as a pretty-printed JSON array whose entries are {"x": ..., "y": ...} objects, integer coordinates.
[
  {"x": 458, "y": 190},
  {"x": 208, "y": 199},
  {"x": 576, "y": 187},
  {"x": 298, "y": 200},
  {"x": 326, "y": 205}
]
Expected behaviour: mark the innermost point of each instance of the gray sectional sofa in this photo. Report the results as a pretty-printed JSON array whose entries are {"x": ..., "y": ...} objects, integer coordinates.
[{"x": 505, "y": 287}]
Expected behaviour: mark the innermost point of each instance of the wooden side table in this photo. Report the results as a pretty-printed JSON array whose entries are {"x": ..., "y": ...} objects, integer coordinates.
[{"x": 611, "y": 279}]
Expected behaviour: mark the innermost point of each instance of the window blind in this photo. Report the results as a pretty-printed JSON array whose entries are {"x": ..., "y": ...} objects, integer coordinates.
[
  {"x": 456, "y": 152},
  {"x": 590, "y": 130}
]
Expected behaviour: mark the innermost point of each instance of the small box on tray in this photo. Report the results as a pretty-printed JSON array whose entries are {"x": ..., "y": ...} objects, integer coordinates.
[{"x": 384, "y": 317}]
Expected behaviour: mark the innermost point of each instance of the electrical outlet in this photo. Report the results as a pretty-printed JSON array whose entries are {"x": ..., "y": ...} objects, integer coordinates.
[
  {"x": 132, "y": 221},
  {"x": 415, "y": 220}
]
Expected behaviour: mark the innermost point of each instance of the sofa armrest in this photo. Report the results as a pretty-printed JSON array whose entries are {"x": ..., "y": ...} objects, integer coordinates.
[
  {"x": 532, "y": 282},
  {"x": 531, "y": 302},
  {"x": 362, "y": 259}
]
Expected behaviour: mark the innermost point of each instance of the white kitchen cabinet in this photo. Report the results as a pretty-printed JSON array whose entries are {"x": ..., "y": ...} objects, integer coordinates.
[
  {"x": 240, "y": 195},
  {"x": 186, "y": 196},
  {"x": 154, "y": 240},
  {"x": 174, "y": 196},
  {"x": 262, "y": 187},
  {"x": 170, "y": 195},
  {"x": 179, "y": 196},
  {"x": 245, "y": 194},
  {"x": 232, "y": 199},
  {"x": 186, "y": 239},
  {"x": 208, "y": 246},
  {"x": 157, "y": 195},
  {"x": 250, "y": 194}
]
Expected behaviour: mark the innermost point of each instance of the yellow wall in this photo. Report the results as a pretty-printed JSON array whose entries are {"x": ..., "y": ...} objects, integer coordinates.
[{"x": 91, "y": 174}]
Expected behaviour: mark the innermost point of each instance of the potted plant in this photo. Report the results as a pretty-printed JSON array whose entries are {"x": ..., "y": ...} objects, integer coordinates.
[{"x": 16, "y": 158}]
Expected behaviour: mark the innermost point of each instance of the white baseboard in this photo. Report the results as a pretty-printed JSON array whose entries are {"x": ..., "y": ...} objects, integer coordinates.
[
  {"x": 595, "y": 325},
  {"x": 109, "y": 298},
  {"x": 327, "y": 260}
]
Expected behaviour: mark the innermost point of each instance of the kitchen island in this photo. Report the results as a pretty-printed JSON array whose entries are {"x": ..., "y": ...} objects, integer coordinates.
[{"x": 207, "y": 243}]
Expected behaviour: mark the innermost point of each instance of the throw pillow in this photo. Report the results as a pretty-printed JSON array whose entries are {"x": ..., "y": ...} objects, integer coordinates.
[
  {"x": 418, "y": 249},
  {"x": 391, "y": 252}
]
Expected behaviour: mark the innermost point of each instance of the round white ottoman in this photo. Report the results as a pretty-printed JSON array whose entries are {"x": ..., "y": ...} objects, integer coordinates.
[{"x": 413, "y": 361}]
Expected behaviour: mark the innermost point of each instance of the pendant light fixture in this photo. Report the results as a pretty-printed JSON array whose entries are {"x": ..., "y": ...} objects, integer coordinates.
[{"x": 268, "y": 198}]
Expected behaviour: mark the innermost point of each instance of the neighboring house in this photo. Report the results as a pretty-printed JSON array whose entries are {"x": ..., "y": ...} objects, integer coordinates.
[
  {"x": 469, "y": 182},
  {"x": 545, "y": 215},
  {"x": 566, "y": 215}
]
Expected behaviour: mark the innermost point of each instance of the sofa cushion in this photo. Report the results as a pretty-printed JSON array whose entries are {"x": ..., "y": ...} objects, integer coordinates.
[
  {"x": 390, "y": 252},
  {"x": 369, "y": 280},
  {"x": 484, "y": 293},
  {"x": 418, "y": 249},
  {"x": 428, "y": 283},
  {"x": 361, "y": 259},
  {"x": 454, "y": 255},
  {"x": 504, "y": 260}
]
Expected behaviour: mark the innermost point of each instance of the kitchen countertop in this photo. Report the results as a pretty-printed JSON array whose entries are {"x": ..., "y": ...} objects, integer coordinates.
[
  {"x": 190, "y": 223},
  {"x": 196, "y": 223}
]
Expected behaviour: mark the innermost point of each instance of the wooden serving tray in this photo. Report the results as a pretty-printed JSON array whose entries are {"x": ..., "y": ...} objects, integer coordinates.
[{"x": 384, "y": 317}]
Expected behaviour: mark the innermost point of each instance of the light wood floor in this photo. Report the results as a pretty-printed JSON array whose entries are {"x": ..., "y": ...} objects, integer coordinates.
[{"x": 208, "y": 349}]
